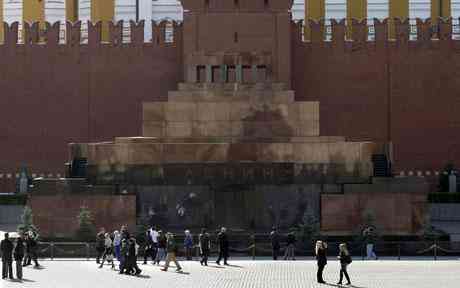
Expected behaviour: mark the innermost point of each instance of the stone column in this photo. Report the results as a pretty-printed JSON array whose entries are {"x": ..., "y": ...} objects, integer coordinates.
[
  {"x": 224, "y": 73},
  {"x": 208, "y": 74},
  {"x": 239, "y": 73},
  {"x": 254, "y": 73}
]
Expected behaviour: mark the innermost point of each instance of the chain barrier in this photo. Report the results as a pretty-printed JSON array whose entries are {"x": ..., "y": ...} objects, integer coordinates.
[{"x": 58, "y": 249}]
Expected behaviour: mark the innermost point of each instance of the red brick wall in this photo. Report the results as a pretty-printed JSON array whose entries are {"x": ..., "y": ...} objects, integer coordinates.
[
  {"x": 52, "y": 94},
  {"x": 405, "y": 92},
  {"x": 57, "y": 215}
]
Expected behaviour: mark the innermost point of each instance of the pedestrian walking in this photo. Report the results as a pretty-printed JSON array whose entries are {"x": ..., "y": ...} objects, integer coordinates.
[
  {"x": 100, "y": 244},
  {"x": 321, "y": 258},
  {"x": 345, "y": 260},
  {"x": 171, "y": 248},
  {"x": 6, "y": 247},
  {"x": 117, "y": 244},
  {"x": 188, "y": 245},
  {"x": 123, "y": 255},
  {"x": 148, "y": 247},
  {"x": 369, "y": 238},
  {"x": 32, "y": 247},
  {"x": 18, "y": 255},
  {"x": 275, "y": 241},
  {"x": 108, "y": 251},
  {"x": 205, "y": 246},
  {"x": 154, "y": 237},
  {"x": 133, "y": 248},
  {"x": 162, "y": 242},
  {"x": 222, "y": 240},
  {"x": 290, "y": 246}
]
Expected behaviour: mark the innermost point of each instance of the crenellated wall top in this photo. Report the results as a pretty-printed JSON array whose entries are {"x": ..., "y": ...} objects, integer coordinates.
[
  {"x": 379, "y": 30},
  {"x": 164, "y": 33}
]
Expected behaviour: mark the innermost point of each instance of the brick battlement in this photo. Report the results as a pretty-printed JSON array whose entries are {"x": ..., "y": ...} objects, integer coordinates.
[
  {"x": 119, "y": 34},
  {"x": 398, "y": 31}
]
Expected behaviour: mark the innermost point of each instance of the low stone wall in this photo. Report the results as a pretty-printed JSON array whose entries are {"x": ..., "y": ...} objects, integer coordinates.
[
  {"x": 398, "y": 205},
  {"x": 56, "y": 215}
]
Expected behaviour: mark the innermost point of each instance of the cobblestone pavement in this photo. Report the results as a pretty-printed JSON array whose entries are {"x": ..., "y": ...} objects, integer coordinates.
[{"x": 245, "y": 273}]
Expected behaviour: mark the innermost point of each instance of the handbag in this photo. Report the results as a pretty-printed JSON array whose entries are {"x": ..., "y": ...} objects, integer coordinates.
[{"x": 348, "y": 259}]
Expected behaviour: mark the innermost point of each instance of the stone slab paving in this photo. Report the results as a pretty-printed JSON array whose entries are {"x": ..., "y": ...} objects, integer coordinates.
[{"x": 245, "y": 274}]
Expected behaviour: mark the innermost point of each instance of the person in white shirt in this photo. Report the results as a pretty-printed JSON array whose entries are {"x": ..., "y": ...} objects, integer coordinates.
[{"x": 154, "y": 237}]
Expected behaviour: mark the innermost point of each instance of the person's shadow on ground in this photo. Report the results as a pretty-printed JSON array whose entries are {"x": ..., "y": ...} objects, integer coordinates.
[
  {"x": 234, "y": 266},
  {"x": 143, "y": 276},
  {"x": 343, "y": 285},
  {"x": 21, "y": 280}
]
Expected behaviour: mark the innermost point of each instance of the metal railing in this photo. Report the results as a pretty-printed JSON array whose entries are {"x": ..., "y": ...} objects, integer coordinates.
[{"x": 392, "y": 249}]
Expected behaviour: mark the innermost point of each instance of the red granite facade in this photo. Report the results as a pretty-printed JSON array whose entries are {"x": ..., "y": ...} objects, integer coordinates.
[
  {"x": 398, "y": 91},
  {"x": 108, "y": 211}
]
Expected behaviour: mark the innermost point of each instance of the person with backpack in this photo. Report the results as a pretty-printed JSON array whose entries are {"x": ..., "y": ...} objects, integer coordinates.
[
  {"x": 321, "y": 258},
  {"x": 345, "y": 260}
]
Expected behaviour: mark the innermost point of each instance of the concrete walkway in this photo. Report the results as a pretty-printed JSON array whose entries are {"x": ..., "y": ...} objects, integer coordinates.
[{"x": 245, "y": 273}]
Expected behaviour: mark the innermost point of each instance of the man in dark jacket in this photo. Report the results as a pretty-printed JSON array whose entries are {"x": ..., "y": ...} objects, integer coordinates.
[
  {"x": 131, "y": 260},
  {"x": 148, "y": 247},
  {"x": 33, "y": 247},
  {"x": 6, "y": 246},
  {"x": 18, "y": 255},
  {"x": 274, "y": 238},
  {"x": 100, "y": 244},
  {"x": 222, "y": 240},
  {"x": 290, "y": 246},
  {"x": 123, "y": 255},
  {"x": 205, "y": 246}
]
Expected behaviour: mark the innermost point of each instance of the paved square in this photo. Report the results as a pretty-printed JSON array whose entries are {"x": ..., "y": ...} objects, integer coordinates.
[{"x": 245, "y": 273}]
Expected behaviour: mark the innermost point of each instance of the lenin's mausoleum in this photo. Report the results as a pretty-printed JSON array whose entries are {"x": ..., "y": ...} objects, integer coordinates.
[{"x": 237, "y": 116}]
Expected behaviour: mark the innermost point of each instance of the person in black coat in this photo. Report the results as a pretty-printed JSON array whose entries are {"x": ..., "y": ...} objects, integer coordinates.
[
  {"x": 148, "y": 247},
  {"x": 290, "y": 246},
  {"x": 18, "y": 254},
  {"x": 275, "y": 240},
  {"x": 222, "y": 240},
  {"x": 205, "y": 246},
  {"x": 100, "y": 245},
  {"x": 321, "y": 258},
  {"x": 131, "y": 261},
  {"x": 345, "y": 260},
  {"x": 6, "y": 246}
]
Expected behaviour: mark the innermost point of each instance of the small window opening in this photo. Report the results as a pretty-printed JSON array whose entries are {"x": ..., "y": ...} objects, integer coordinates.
[{"x": 235, "y": 37}]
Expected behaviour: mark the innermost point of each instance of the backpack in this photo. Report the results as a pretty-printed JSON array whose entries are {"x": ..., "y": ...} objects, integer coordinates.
[{"x": 348, "y": 259}]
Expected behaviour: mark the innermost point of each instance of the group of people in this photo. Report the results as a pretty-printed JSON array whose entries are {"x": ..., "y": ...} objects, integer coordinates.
[
  {"x": 321, "y": 258},
  {"x": 160, "y": 246},
  {"x": 118, "y": 245},
  {"x": 23, "y": 251}
]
